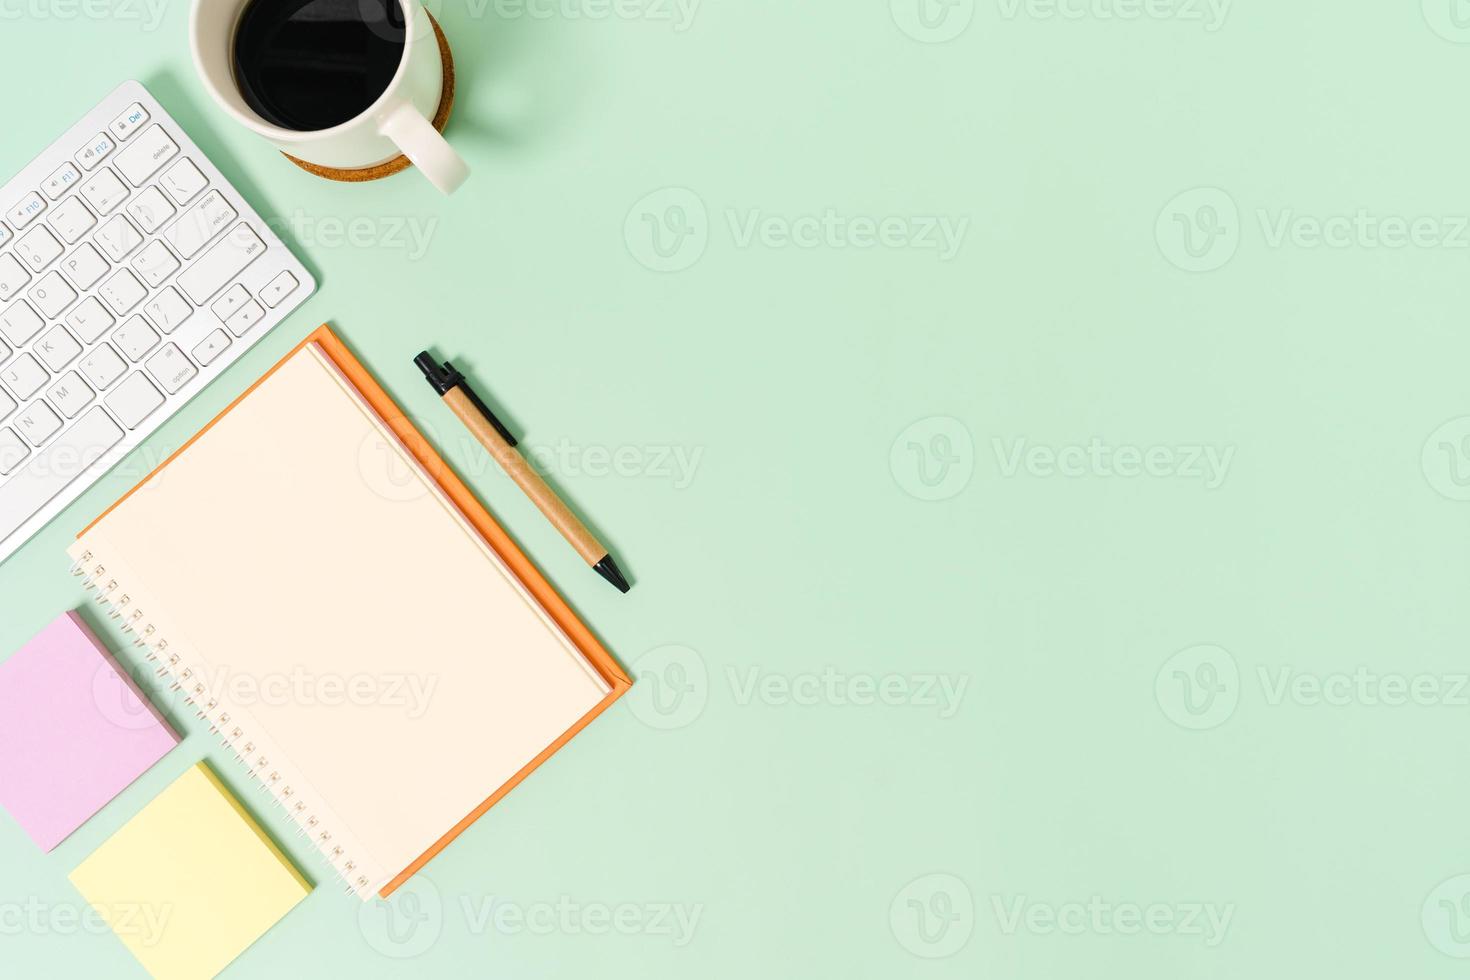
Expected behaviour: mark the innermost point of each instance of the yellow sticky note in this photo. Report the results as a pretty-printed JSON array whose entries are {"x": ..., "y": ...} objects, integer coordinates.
[{"x": 191, "y": 881}]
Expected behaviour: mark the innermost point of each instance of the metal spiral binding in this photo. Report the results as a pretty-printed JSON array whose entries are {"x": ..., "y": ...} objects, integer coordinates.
[{"x": 134, "y": 621}]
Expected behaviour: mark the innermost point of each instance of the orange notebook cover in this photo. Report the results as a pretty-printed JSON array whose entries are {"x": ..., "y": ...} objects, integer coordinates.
[{"x": 309, "y": 541}]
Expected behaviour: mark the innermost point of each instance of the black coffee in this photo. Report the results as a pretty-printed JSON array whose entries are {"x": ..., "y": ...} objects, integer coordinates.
[{"x": 312, "y": 64}]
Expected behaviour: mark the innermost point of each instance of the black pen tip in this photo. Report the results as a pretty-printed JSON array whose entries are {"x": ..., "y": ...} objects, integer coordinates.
[{"x": 609, "y": 570}]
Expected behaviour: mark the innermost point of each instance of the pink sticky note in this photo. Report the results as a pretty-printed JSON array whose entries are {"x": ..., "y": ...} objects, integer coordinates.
[{"x": 74, "y": 731}]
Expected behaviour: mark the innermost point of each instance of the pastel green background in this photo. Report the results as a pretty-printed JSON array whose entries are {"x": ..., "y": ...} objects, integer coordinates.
[{"x": 1116, "y": 645}]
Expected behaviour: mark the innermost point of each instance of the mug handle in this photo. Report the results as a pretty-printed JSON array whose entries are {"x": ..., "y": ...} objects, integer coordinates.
[{"x": 423, "y": 144}]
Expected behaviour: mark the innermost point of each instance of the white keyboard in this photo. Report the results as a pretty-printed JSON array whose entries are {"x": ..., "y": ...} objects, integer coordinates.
[{"x": 131, "y": 274}]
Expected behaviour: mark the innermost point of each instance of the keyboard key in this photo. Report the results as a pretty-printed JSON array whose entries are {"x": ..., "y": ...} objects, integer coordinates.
[
  {"x": 72, "y": 220},
  {"x": 155, "y": 263},
  {"x": 105, "y": 191},
  {"x": 19, "y": 323},
  {"x": 129, "y": 122},
  {"x": 278, "y": 289},
  {"x": 183, "y": 180},
  {"x": 151, "y": 209},
  {"x": 91, "y": 154},
  {"x": 89, "y": 320},
  {"x": 142, "y": 158},
  {"x": 209, "y": 348},
  {"x": 52, "y": 295},
  {"x": 70, "y": 394},
  {"x": 244, "y": 318},
  {"x": 57, "y": 348},
  {"x": 84, "y": 266},
  {"x": 24, "y": 212},
  {"x": 12, "y": 450},
  {"x": 118, "y": 237},
  {"x": 103, "y": 366},
  {"x": 135, "y": 338},
  {"x": 13, "y": 275},
  {"x": 5, "y": 233},
  {"x": 171, "y": 369},
  {"x": 61, "y": 179},
  {"x": 167, "y": 310},
  {"x": 122, "y": 292},
  {"x": 234, "y": 298},
  {"x": 221, "y": 264},
  {"x": 24, "y": 376},
  {"x": 198, "y": 225},
  {"x": 55, "y": 467},
  {"x": 39, "y": 249},
  {"x": 37, "y": 422},
  {"x": 7, "y": 404},
  {"x": 134, "y": 400}
]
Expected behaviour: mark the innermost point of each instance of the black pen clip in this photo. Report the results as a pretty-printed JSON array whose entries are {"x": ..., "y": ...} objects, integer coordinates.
[{"x": 444, "y": 379}]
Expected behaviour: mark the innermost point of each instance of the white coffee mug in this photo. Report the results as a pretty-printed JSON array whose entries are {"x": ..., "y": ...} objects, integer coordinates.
[{"x": 397, "y": 123}]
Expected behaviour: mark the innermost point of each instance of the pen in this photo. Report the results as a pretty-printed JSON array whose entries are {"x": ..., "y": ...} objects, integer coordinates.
[{"x": 498, "y": 441}]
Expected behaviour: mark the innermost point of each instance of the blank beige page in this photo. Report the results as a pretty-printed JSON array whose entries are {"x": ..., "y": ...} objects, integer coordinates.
[{"x": 321, "y": 584}]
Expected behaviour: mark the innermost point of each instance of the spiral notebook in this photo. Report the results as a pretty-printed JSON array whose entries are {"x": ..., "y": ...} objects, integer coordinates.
[{"x": 347, "y": 617}]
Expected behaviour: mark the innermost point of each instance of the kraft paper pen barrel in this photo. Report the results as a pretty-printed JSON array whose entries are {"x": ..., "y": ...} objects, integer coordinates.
[{"x": 451, "y": 386}]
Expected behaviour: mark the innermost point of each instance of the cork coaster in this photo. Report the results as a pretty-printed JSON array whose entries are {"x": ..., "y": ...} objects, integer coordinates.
[{"x": 400, "y": 162}]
